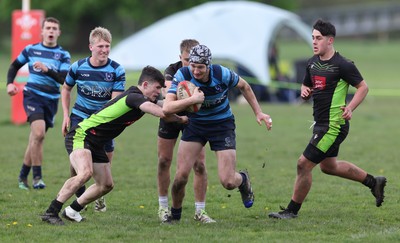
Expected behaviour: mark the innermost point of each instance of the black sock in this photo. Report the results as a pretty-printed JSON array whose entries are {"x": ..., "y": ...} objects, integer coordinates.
[
  {"x": 294, "y": 206},
  {"x": 55, "y": 207},
  {"x": 24, "y": 172},
  {"x": 244, "y": 180},
  {"x": 80, "y": 191},
  {"x": 76, "y": 206},
  {"x": 176, "y": 213},
  {"x": 369, "y": 181},
  {"x": 37, "y": 172}
]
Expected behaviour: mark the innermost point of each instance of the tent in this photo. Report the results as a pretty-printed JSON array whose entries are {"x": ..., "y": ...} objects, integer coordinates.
[{"x": 238, "y": 31}]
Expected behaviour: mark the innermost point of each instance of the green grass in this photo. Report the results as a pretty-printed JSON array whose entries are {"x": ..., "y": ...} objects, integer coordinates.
[{"x": 336, "y": 210}]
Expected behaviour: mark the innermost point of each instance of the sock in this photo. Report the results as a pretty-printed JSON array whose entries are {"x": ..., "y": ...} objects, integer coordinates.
[
  {"x": 244, "y": 179},
  {"x": 37, "y": 172},
  {"x": 369, "y": 181},
  {"x": 163, "y": 201},
  {"x": 200, "y": 206},
  {"x": 176, "y": 213},
  {"x": 55, "y": 207},
  {"x": 24, "y": 172},
  {"x": 76, "y": 206},
  {"x": 80, "y": 191},
  {"x": 294, "y": 206}
]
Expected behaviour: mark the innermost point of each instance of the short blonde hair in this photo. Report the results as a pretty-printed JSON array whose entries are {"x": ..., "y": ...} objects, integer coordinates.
[
  {"x": 187, "y": 44},
  {"x": 100, "y": 33}
]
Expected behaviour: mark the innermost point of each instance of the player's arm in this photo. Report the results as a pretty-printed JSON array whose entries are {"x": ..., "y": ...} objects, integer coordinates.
[
  {"x": 359, "y": 96},
  {"x": 173, "y": 105},
  {"x": 11, "y": 74},
  {"x": 248, "y": 94},
  {"x": 156, "y": 110},
  {"x": 59, "y": 77},
  {"x": 65, "y": 103}
]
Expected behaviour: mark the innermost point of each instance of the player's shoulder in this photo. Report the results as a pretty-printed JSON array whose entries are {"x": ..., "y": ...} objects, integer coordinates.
[
  {"x": 173, "y": 68},
  {"x": 114, "y": 64},
  {"x": 343, "y": 61}
]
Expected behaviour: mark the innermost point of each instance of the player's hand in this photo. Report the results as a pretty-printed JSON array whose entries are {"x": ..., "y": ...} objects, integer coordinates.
[
  {"x": 267, "y": 120},
  {"x": 12, "y": 89},
  {"x": 40, "y": 67},
  {"x": 65, "y": 126},
  {"x": 347, "y": 112},
  {"x": 198, "y": 96},
  {"x": 183, "y": 120},
  {"x": 306, "y": 92}
]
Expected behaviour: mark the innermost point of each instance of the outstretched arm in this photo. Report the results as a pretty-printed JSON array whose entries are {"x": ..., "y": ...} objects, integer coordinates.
[
  {"x": 248, "y": 94},
  {"x": 156, "y": 110}
]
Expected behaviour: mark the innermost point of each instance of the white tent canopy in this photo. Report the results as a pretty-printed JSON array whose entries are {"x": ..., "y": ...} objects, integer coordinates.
[{"x": 238, "y": 31}]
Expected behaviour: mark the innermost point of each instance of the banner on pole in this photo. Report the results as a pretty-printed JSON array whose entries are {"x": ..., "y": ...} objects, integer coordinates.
[{"x": 26, "y": 29}]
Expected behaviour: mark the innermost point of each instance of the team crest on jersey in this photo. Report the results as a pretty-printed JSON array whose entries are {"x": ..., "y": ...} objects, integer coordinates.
[
  {"x": 57, "y": 56},
  {"x": 109, "y": 77},
  {"x": 319, "y": 82},
  {"x": 218, "y": 88}
]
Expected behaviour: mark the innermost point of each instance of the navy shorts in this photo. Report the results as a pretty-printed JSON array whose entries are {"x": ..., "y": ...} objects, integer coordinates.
[
  {"x": 75, "y": 119},
  {"x": 77, "y": 138},
  {"x": 38, "y": 107},
  {"x": 325, "y": 142},
  {"x": 169, "y": 130},
  {"x": 220, "y": 134}
]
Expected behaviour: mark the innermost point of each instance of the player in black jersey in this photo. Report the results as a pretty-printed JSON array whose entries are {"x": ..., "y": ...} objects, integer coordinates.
[
  {"x": 327, "y": 79},
  {"x": 85, "y": 143}
]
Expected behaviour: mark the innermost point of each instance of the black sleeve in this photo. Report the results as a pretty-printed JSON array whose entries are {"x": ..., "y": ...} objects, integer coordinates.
[
  {"x": 59, "y": 77},
  {"x": 13, "y": 70}
]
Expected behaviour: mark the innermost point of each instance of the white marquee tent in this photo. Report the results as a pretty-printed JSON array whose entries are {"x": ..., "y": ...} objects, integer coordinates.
[{"x": 238, "y": 31}]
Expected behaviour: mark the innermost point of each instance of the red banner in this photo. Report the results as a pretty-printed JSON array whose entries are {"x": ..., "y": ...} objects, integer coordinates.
[{"x": 26, "y": 29}]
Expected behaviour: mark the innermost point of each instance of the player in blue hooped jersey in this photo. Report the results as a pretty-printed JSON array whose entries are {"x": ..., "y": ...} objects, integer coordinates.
[
  {"x": 98, "y": 79},
  {"x": 48, "y": 65},
  {"x": 213, "y": 123}
]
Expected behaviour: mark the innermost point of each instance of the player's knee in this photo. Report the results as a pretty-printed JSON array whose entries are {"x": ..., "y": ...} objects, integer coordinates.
[
  {"x": 199, "y": 168},
  {"x": 327, "y": 170},
  {"x": 228, "y": 183},
  {"x": 164, "y": 163},
  {"x": 84, "y": 177},
  {"x": 107, "y": 187},
  {"x": 303, "y": 166},
  {"x": 179, "y": 183},
  {"x": 38, "y": 136}
]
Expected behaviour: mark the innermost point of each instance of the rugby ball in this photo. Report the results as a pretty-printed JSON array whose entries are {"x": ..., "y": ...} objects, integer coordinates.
[{"x": 185, "y": 90}]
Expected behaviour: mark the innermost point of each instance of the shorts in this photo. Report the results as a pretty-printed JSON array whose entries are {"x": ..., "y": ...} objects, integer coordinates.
[
  {"x": 325, "y": 142},
  {"x": 77, "y": 138},
  {"x": 220, "y": 134},
  {"x": 75, "y": 119},
  {"x": 169, "y": 130},
  {"x": 38, "y": 107}
]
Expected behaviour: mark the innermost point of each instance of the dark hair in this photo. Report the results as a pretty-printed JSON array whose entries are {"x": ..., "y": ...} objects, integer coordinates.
[
  {"x": 51, "y": 20},
  {"x": 326, "y": 28},
  {"x": 151, "y": 75}
]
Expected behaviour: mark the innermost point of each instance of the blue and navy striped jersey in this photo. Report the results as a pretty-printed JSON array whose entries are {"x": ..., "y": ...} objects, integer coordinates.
[
  {"x": 55, "y": 58},
  {"x": 94, "y": 84},
  {"x": 216, "y": 104}
]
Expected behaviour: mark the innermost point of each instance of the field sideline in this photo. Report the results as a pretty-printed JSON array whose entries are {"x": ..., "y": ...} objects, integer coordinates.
[{"x": 336, "y": 210}]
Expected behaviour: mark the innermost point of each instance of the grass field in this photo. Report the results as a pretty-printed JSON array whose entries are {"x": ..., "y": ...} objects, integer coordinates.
[{"x": 336, "y": 210}]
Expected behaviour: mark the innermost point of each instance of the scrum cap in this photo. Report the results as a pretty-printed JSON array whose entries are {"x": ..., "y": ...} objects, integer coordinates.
[{"x": 200, "y": 54}]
